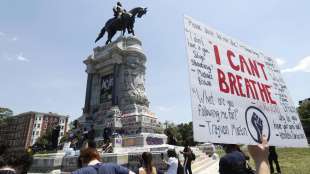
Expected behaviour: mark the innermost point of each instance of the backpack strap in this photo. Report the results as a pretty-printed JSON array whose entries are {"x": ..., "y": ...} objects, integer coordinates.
[{"x": 96, "y": 167}]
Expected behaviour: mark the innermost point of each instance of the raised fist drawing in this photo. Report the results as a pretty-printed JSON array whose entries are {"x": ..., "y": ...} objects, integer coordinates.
[{"x": 258, "y": 125}]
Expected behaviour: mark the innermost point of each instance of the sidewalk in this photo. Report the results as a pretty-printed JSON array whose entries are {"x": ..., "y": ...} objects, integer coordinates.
[{"x": 212, "y": 169}]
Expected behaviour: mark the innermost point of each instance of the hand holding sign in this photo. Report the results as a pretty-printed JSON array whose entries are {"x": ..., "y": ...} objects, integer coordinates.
[{"x": 260, "y": 155}]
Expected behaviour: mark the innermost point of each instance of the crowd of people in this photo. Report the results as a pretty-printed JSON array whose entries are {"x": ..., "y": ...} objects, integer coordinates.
[
  {"x": 80, "y": 138},
  {"x": 234, "y": 161},
  {"x": 89, "y": 161}
]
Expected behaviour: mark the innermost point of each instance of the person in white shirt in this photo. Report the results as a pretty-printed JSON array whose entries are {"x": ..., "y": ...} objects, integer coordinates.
[
  {"x": 172, "y": 162},
  {"x": 213, "y": 155}
]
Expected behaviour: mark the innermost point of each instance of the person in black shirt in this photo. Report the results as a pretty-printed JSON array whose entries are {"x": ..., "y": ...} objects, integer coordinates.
[
  {"x": 188, "y": 158},
  {"x": 273, "y": 157},
  {"x": 233, "y": 162}
]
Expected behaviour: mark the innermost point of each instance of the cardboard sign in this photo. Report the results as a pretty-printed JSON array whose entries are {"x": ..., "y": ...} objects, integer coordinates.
[{"x": 237, "y": 92}]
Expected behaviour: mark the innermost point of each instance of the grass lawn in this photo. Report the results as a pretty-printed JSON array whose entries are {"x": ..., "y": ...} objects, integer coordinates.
[
  {"x": 294, "y": 160},
  {"x": 291, "y": 160}
]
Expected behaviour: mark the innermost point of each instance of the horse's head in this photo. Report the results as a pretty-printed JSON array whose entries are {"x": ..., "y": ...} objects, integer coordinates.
[
  {"x": 138, "y": 11},
  {"x": 142, "y": 12}
]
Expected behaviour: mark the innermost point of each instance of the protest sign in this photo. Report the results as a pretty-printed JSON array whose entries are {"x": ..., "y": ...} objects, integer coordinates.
[{"x": 237, "y": 92}]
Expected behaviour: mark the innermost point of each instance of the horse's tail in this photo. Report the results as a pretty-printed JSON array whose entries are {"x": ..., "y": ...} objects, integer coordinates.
[{"x": 100, "y": 34}]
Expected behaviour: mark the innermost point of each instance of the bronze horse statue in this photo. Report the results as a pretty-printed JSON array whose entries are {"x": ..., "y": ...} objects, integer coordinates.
[{"x": 126, "y": 21}]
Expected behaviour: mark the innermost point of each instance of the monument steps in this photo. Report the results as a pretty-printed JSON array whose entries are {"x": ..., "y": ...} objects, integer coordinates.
[{"x": 202, "y": 164}]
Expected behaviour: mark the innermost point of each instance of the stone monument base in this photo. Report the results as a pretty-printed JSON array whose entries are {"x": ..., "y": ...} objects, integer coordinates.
[
  {"x": 139, "y": 140},
  {"x": 129, "y": 157},
  {"x": 126, "y": 156}
]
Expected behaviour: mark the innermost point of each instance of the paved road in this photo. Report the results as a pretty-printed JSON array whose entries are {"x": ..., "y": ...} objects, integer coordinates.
[{"x": 212, "y": 169}]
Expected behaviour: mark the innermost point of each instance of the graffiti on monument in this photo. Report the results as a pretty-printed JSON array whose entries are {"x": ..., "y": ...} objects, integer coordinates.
[
  {"x": 106, "y": 87},
  {"x": 150, "y": 140}
]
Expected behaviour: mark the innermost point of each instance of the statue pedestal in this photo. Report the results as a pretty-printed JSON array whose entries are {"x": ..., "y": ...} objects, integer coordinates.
[
  {"x": 116, "y": 104},
  {"x": 115, "y": 96}
]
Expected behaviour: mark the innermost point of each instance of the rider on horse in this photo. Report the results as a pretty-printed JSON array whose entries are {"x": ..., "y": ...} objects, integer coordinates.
[
  {"x": 121, "y": 21},
  {"x": 118, "y": 10}
]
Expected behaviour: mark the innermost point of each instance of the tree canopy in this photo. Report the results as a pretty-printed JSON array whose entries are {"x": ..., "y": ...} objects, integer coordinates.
[
  {"x": 181, "y": 134},
  {"x": 5, "y": 112},
  {"x": 304, "y": 110}
]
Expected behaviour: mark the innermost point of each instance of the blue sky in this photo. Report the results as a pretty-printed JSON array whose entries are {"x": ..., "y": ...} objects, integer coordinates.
[{"x": 43, "y": 44}]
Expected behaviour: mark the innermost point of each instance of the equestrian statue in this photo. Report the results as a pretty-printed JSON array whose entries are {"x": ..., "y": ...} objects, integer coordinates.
[{"x": 121, "y": 21}]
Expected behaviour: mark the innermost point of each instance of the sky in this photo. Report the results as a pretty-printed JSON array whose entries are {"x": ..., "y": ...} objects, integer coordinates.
[{"x": 43, "y": 44}]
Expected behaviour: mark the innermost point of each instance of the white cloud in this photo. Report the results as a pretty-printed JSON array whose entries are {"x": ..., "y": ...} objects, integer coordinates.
[
  {"x": 20, "y": 57},
  {"x": 164, "y": 108},
  {"x": 2, "y": 34},
  {"x": 280, "y": 62},
  {"x": 14, "y": 38},
  {"x": 303, "y": 65}
]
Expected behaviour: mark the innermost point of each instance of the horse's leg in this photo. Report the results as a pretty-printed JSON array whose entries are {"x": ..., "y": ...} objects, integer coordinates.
[
  {"x": 112, "y": 34},
  {"x": 100, "y": 34},
  {"x": 133, "y": 32},
  {"x": 128, "y": 30},
  {"x": 124, "y": 30},
  {"x": 109, "y": 37}
]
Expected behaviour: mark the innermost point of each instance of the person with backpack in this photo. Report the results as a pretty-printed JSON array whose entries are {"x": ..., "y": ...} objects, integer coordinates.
[
  {"x": 189, "y": 156},
  {"x": 90, "y": 158}
]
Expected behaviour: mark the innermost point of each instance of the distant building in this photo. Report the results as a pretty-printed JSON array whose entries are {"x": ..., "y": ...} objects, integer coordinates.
[{"x": 22, "y": 131}]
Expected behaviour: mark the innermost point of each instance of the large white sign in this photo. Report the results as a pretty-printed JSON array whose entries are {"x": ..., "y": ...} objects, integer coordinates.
[{"x": 238, "y": 93}]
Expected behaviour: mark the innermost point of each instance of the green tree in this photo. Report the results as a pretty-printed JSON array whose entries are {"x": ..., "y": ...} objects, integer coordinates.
[
  {"x": 182, "y": 132},
  {"x": 186, "y": 131},
  {"x": 304, "y": 110},
  {"x": 64, "y": 138},
  {"x": 174, "y": 137},
  {"x": 44, "y": 141},
  {"x": 5, "y": 112},
  {"x": 304, "y": 114}
]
